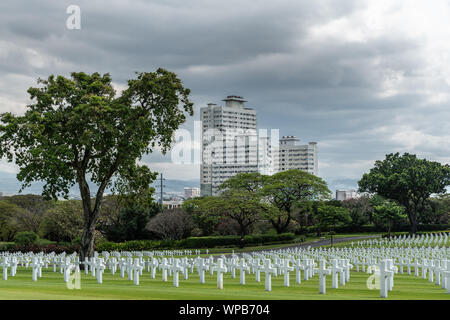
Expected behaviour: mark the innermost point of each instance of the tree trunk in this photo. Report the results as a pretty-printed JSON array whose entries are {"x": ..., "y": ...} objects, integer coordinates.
[
  {"x": 412, "y": 217},
  {"x": 414, "y": 220},
  {"x": 87, "y": 243},
  {"x": 276, "y": 226}
]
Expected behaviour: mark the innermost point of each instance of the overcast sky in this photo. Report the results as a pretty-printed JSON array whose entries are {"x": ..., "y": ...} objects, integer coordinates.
[{"x": 363, "y": 78}]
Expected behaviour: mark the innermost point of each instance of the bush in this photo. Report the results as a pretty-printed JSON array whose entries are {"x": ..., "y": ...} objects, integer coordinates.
[
  {"x": 193, "y": 242},
  {"x": 372, "y": 228},
  {"x": 26, "y": 238},
  {"x": 171, "y": 224},
  {"x": 39, "y": 248}
]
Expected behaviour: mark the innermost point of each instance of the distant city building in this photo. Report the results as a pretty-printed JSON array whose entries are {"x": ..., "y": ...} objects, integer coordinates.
[
  {"x": 342, "y": 195},
  {"x": 191, "y": 192},
  {"x": 293, "y": 155},
  {"x": 171, "y": 204}
]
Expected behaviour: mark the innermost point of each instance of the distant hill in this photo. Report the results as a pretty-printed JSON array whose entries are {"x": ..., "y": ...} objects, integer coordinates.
[{"x": 9, "y": 185}]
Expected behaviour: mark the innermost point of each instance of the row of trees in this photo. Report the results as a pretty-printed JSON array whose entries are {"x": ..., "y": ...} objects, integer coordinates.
[
  {"x": 292, "y": 201},
  {"x": 78, "y": 131},
  {"x": 398, "y": 188},
  {"x": 296, "y": 201},
  {"x": 62, "y": 221}
]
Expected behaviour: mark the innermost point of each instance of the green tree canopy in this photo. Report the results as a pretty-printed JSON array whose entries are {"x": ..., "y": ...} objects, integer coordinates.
[
  {"x": 408, "y": 180},
  {"x": 243, "y": 207},
  {"x": 34, "y": 206},
  {"x": 78, "y": 130},
  {"x": 8, "y": 227},
  {"x": 286, "y": 189},
  {"x": 329, "y": 216},
  {"x": 250, "y": 182},
  {"x": 387, "y": 213},
  {"x": 63, "y": 222},
  {"x": 203, "y": 213}
]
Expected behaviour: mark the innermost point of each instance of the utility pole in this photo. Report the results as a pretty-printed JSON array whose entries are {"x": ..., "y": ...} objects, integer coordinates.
[{"x": 161, "y": 190}]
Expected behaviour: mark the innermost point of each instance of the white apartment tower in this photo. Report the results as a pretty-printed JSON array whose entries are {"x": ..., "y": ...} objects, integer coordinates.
[
  {"x": 191, "y": 192},
  {"x": 293, "y": 155},
  {"x": 343, "y": 195},
  {"x": 230, "y": 144}
]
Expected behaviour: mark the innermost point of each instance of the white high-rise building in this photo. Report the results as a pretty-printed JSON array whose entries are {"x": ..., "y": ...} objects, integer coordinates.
[
  {"x": 343, "y": 195},
  {"x": 293, "y": 155},
  {"x": 191, "y": 192},
  {"x": 230, "y": 144}
]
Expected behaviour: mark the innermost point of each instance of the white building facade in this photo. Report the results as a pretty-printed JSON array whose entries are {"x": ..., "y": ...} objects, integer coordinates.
[
  {"x": 293, "y": 155},
  {"x": 230, "y": 144},
  {"x": 343, "y": 195},
  {"x": 191, "y": 192}
]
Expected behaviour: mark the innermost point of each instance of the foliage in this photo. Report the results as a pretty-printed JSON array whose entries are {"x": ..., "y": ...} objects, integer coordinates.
[
  {"x": 241, "y": 206},
  {"x": 360, "y": 210},
  {"x": 172, "y": 224},
  {"x": 77, "y": 129},
  {"x": 249, "y": 182},
  {"x": 285, "y": 190},
  {"x": 203, "y": 214},
  {"x": 130, "y": 224},
  {"x": 7, "y": 226},
  {"x": 408, "y": 180},
  {"x": 26, "y": 238},
  {"x": 329, "y": 217},
  {"x": 228, "y": 227},
  {"x": 36, "y": 248},
  {"x": 387, "y": 213},
  {"x": 303, "y": 214},
  {"x": 34, "y": 207},
  {"x": 194, "y": 242},
  {"x": 63, "y": 222},
  {"x": 437, "y": 210}
]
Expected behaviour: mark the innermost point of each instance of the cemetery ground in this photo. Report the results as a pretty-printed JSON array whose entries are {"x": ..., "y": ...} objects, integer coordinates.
[{"x": 51, "y": 287}]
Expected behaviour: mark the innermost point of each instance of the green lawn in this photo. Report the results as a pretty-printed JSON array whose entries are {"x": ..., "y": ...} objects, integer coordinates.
[
  {"x": 226, "y": 250},
  {"x": 51, "y": 286}
]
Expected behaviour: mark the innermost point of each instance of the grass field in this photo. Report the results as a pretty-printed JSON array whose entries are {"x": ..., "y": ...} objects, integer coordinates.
[{"x": 51, "y": 286}]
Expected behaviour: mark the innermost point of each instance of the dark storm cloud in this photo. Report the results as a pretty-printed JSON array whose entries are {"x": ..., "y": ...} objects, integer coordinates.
[{"x": 306, "y": 66}]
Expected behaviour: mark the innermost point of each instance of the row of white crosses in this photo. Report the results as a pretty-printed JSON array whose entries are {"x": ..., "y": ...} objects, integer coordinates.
[
  {"x": 433, "y": 239},
  {"x": 433, "y": 261}
]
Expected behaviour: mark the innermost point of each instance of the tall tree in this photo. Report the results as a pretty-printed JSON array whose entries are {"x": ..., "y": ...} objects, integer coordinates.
[
  {"x": 286, "y": 189},
  {"x": 360, "y": 210},
  {"x": 203, "y": 213},
  {"x": 387, "y": 213},
  {"x": 171, "y": 224},
  {"x": 329, "y": 217},
  {"x": 8, "y": 227},
  {"x": 408, "y": 180},
  {"x": 78, "y": 130},
  {"x": 34, "y": 208},
  {"x": 243, "y": 207}
]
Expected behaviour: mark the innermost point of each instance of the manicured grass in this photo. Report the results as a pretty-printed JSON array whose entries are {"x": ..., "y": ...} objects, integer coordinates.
[
  {"x": 51, "y": 286},
  {"x": 307, "y": 241}
]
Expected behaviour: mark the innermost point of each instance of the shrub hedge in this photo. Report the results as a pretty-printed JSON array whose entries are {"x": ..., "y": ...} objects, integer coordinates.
[
  {"x": 26, "y": 238},
  {"x": 35, "y": 248},
  {"x": 194, "y": 242},
  {"x": 372, "y": 228}
]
